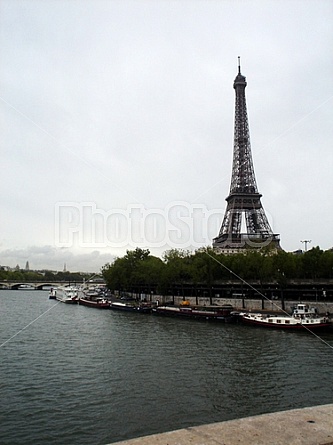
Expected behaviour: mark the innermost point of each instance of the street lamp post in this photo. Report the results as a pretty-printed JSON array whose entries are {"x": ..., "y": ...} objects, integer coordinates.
[{"x": 306, "y": 242}]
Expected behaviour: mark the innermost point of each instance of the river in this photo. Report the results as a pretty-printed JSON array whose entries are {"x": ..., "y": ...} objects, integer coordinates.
[{"x": 76, "y": 375}]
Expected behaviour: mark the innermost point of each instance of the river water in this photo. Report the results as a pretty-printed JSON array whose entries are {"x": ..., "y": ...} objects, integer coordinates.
[{"x": 76, "y": 375}]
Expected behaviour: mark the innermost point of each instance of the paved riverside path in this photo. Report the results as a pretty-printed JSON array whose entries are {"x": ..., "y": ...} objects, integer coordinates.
[{"x": 307, "y": 426}]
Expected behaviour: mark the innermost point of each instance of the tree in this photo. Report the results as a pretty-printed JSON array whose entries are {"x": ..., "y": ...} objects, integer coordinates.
[
  {"x": 139, "y": 271},
  {"x": 326, "y": 264},
  {"x": 177, "y": 268},
  {"x": 148, "y": 273},
  {"x": 284, "y": 264},
  {"x": 134, "y": 272},
  {"x": 115, "y": 274},
  {"x": 311, "y": 261}
]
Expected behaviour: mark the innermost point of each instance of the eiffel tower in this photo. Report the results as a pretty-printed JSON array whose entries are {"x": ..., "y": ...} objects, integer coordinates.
[{"x": 244, "y": 198}]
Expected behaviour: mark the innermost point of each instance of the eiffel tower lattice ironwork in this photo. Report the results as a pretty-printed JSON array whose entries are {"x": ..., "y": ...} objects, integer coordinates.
[{"x": 244, "y": 198}]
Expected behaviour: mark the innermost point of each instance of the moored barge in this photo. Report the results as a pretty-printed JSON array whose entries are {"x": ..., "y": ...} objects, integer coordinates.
[
  {"x": 68, "y": 294},
  {"x": 131, "y": 307},
  {"x": 224, "y": 313},
  {"x": 302, "y": 317},
  {"x": 98, "y": 302}
]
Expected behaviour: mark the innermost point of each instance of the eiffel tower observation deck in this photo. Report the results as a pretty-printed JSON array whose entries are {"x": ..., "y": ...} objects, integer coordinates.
[{"x": 244, "y": 200}]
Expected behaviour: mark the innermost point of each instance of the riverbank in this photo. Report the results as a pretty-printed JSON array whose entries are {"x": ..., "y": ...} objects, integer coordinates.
[
  {"x": 307, "y": 426},
  {"x": 239, "y": 304}
]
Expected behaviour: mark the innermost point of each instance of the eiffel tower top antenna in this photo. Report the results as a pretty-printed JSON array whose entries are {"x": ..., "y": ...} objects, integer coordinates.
[{"x": 239, "y": 68}]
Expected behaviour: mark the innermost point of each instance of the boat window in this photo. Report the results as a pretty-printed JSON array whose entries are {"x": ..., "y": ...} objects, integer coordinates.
[
  {"x": 287, "y": 321},
  {"x": 278, "y": 321}
]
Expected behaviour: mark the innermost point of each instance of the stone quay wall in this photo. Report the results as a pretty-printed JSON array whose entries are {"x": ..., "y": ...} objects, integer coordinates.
[{"x": 240, "y": 304}]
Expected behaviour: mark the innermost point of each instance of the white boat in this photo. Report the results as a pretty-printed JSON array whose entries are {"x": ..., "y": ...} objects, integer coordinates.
[
  {"x": 52, "y": 294},
  {"x": 68, "y": 294},
  {"x": 26, "y": 287},
  {"x": 302, "y": 317}
]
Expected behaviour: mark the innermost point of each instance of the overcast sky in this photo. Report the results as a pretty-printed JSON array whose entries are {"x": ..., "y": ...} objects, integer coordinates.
[{"x": 117, "y": 123}]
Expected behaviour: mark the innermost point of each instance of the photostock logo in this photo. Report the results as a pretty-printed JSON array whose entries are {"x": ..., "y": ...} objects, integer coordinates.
[{"x": 178, "y": 225}]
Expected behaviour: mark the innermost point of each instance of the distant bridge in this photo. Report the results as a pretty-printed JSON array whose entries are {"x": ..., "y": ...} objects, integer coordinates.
[{"x": 37, "y": 285}]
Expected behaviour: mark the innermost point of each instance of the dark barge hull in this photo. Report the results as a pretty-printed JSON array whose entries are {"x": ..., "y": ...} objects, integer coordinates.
[
  {"x": 206, "y": 314},
  {"x": 95, "y": 304},
  {"x": 130, "y": 308}
]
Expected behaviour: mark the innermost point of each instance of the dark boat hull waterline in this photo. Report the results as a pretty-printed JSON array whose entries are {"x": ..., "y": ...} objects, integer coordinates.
[
  {"x": 129, "y": 307},
  {"x": 99, "y": 303},
  {"x": 206, "y": 313}
]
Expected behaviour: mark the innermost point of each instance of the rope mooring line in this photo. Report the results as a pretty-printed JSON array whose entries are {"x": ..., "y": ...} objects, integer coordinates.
[{"x": 29, "y": 324}]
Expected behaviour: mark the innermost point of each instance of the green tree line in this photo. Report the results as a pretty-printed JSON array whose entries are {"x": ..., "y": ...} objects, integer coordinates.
[
  {"x": 46, "y": 276},
  {"x": 139, "y": 269}
]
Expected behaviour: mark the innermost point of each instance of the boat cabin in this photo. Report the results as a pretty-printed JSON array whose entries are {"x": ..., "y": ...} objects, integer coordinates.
[{"x": 304, "y": 310}]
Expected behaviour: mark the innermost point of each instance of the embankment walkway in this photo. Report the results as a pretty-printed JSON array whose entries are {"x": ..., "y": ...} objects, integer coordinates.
[{"x": 307, "y": 426}]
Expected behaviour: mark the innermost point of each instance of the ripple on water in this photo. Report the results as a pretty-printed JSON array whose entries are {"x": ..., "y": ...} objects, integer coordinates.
[{"x": 81, "y": 376}]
